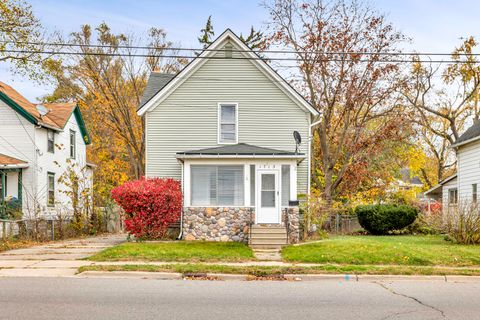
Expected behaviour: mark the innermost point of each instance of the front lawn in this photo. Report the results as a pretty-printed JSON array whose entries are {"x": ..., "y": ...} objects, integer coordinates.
[
  {"x": 385, "y": 250},
  {"x": 176, "y": 251}
]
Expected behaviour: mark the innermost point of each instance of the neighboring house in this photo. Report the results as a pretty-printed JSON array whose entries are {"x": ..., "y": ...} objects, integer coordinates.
[
  {"x": 224, "y": 126},
  {"x": 463, "y": 186},
  {"x": 37, "y": 143}
]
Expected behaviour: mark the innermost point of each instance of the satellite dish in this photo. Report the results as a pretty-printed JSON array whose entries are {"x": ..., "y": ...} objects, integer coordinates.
[
  {"x": 298, "y": 140},
  {"x": 42, "y": 109}
]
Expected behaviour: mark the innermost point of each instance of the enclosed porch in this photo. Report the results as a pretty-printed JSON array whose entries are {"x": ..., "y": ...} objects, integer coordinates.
[{"x": 240, "y": 193}]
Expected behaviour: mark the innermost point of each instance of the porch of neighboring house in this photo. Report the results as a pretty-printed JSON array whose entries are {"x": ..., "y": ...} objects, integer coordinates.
[{"x": 11, "y": 172}]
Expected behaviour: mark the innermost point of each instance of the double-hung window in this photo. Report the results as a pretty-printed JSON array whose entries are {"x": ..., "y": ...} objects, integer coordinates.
[
  {"x": 228, "y": 123},
  {"x": 50, "y": 189},
  {"x": 50, "y": 141},
  {"x": 213, "y": 185},
  {"x": 73, "y": 145},
  {"x": 452, "y": 196}
]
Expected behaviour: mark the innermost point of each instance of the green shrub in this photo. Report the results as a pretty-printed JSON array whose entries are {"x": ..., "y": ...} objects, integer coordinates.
[{"x": 383, "y": 218}]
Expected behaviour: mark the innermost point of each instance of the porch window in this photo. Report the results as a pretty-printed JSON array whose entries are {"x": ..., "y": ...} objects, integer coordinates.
[
  {"x": 227, "y": 123},
  {"x": 50, "y": 141},
  {"x": 73, "y": 146},
  {"x": 285, "y": 184},
  {"x": 452, "y": 196},
  {"x": 51, "y": 189},
  {"x": 217, "y": 185}
]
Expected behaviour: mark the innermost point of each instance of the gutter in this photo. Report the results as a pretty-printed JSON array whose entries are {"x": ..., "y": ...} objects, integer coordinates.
[{"x": 456, "y": 145}]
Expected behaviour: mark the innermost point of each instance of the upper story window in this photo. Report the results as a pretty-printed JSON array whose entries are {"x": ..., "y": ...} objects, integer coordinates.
[
  {"x": 73, "y": 145},
  {"x": 50, "y": 141},
  {"x": 228, "y": 123}
]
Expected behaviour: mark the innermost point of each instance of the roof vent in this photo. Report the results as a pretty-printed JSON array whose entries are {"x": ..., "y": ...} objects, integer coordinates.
[
  {"x": 228, "y": 50},
  {"x": 42, "y": 110}
]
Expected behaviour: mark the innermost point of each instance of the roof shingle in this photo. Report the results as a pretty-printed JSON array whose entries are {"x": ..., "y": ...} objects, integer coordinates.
[
  {"x": 156, "y": 82},
  {"x": 58, "y": 114},
  {"x": 239, "y": 150},
  {"x": 472, "y": 132}
]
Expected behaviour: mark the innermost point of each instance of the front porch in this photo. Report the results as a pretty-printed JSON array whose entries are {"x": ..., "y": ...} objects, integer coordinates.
[
  {"x": 11, "y": 190},
  {"x": 231, "y": 190}
]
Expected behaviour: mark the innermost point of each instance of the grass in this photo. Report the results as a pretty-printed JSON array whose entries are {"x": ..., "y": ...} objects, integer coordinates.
[
  {"x": 176, "y": 251},
  {"x": 268, "y": 271},
  {"x": 16, "y": 244},
  {"x": 385, "y": 250}
]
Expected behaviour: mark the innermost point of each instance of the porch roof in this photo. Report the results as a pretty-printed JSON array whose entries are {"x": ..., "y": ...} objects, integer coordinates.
[
  {"x": 240, "y": 150},
  {"x": 7, "y": 162}
]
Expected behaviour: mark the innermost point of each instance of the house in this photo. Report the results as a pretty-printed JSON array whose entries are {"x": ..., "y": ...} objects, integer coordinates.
[
  {"x": 38, "y": 143},
  {"x": 462, "y": 187},
  {"x": 224, "y": 126}
]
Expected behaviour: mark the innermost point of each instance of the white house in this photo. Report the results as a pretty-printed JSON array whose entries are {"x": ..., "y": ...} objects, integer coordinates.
[
  {"x": 224, "y": 126},
  {"x": 37, "y": 144},
  {"x": 462, "y": 186}
]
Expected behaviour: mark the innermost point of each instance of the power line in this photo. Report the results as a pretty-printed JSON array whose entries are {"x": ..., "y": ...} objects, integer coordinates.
[
  {"x": 63, "y": 44},
  {"x": 221, "y": 58}
]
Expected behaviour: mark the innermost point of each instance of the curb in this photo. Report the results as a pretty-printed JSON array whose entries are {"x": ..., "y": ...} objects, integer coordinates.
[
  {"x": 288, "y": 277},
  {"x": 131, "y": 275}
]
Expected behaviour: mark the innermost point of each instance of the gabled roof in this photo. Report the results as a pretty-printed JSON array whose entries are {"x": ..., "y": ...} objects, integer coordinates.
[
  {"x": 163, "y": 92},
  {"x": 11, "y": 162},
  {"x": 239, "y": 150},
  {"x": 156, "y": 82},
  {"x": 55, "y": 119},
  {"x": 472, "y": 134}
]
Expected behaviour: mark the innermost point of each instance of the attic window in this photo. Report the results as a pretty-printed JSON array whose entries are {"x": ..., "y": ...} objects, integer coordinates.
[{"x": 228, "y": 50}]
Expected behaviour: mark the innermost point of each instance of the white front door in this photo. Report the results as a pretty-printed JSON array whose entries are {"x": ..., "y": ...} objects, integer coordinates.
[{"x": 268, "y": 203}]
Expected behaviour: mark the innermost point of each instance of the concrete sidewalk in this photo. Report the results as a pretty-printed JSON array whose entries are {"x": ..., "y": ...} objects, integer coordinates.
[{"x": 55, "y": 259}]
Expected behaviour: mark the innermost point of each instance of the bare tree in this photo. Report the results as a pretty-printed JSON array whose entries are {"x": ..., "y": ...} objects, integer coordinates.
[{"x": 340, "y": 47}]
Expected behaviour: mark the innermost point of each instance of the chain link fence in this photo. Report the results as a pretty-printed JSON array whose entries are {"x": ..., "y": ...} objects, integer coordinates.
[{"x": 104, "y": 220}]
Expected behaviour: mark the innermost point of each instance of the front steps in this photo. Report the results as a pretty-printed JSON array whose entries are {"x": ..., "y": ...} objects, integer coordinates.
[{"x": 268, "y": 237}]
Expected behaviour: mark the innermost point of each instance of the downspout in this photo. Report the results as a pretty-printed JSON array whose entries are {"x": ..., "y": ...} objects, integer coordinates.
[{"x": 180, "y": 234}]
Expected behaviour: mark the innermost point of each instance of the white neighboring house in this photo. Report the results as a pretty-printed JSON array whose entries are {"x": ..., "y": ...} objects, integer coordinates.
[
  {"x": 36, "y": 149},
  {"x": 462, "y": 187}
]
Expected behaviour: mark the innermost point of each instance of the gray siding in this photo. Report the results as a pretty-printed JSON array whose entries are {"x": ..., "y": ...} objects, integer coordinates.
[{"x": 187, "y": 119}]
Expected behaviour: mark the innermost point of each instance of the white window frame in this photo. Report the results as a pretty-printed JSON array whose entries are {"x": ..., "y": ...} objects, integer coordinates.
[
  {"x": 50, "y": 131},
  {"x": 72, "y": 146},
  {"x": 219, "y": 119}
]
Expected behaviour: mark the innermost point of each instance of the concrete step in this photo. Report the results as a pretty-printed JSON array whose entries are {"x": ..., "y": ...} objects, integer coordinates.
[
  {"x": 269, "y": 236},
  {"x": 266, "y": 246},
  {"x": 268, "y": 241}
]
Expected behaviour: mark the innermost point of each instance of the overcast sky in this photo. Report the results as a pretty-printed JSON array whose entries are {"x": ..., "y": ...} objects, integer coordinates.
[{"x": 434, "y": 25}]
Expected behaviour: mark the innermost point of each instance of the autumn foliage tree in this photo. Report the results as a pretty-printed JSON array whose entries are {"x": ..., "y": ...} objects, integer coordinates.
[
  {"x": 108, "y": 80},
  {"x": 443, "y": 108},
  {"x": 341, "y": 47}
]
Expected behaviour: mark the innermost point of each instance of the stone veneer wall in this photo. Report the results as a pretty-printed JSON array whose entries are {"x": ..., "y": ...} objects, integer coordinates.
[
  {"x": 293, "y": 227},
  {"x": 231, "y": 224},
  {"x": 217, "y": 223}
]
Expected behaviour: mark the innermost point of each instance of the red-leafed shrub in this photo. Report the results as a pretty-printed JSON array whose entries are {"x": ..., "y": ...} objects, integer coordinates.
[{"x": 150, "y": 205}]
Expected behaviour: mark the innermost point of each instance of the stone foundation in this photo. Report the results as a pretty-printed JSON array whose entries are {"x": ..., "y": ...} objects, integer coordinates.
[
  {"x": 291, "y": 218},
  {"x": 231, "y": 224},
  {"x": 217, "y": 223}
]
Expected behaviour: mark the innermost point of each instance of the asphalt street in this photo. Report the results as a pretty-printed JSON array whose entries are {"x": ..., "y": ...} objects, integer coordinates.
[{"x": 73, "y": 298}]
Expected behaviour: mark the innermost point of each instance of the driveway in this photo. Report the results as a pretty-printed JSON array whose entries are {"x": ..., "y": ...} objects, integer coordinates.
[{"x": 56, "y": 258}]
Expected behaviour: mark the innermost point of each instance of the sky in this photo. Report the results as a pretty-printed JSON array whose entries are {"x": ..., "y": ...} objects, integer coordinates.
[{"x": 433, "y": 25}]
